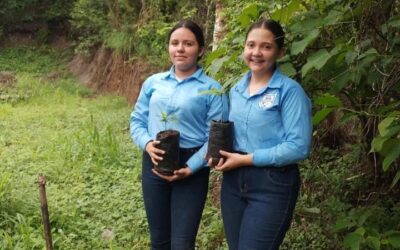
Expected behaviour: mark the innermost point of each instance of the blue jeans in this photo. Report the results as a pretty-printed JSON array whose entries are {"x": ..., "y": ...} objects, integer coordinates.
[
  {"x": 257, "y": 205},
  {"x": 173, "y": 209}
]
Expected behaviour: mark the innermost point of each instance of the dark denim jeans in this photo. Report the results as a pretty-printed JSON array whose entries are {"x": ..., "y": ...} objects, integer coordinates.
[
  {"x": 257, "y": 206},
  {"x": 173, "y": 209}
]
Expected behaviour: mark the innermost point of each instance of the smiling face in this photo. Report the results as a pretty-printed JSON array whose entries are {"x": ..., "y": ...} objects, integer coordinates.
[
  {"x": 261, "y": 51},
  {"x": 184, "y": 51}
]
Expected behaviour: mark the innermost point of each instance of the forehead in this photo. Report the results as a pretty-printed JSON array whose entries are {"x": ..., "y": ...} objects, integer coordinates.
[
  {"x": 261, "y": 35},
  {"x": 183, "y": 34}
]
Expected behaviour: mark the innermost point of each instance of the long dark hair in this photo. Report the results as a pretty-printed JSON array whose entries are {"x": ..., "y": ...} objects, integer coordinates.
[
  {"x": 194, "y": 28},
  {"x": 272, "y": 26}
]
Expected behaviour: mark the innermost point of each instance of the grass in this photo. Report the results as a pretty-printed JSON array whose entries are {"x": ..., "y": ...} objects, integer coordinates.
[
  {"x": 81, "y": 143},
  {"x": 52, "y": 124}
]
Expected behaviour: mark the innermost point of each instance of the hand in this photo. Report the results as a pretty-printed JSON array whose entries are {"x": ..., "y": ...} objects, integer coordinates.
[
  {"x": 211, "y": 164},
  {"x": 155, "y": 153},
  {"x": 178, "y": 174},
  {"x": 233, "y": 161}
]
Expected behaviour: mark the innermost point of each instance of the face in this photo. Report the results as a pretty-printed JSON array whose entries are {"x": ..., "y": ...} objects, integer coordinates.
[
  {"x": 261, "y": 51},
  {"x": 184, "y": 50}
]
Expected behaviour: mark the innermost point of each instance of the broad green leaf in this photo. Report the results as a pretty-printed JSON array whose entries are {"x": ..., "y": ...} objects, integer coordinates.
[
  {"x": 328, "y": 100},
  {"x": 333, "y": 17},
  {"x": 350, "y": 56},
  {"x": 344, "y": 223},
  {"x": 385, "y": 124},
  {"x": 288, "y": 69},
  {"x": 217, "y": 64},
  {"x": 214, "y": 55},
  {"x": 394, "y": 239},
  {"x": 389, "y": 145},
  {"x": 341, "y": 81},
  {"x": 374, "y": 242},
  {"x": 392, "y": 155},
  {"x": 395, "y": 179},
  {"x": 352, "y": 241},
  {"x": 369, "y": 52},
  {"x": 283, "y": 15},
  {"x": 364, "y": 216},
  {"x": 377, "y": 143},
  {"x": 360, "y": 231},
  {"x": 321, "y": 115},
  {"x": 347, "y": 117},
  {"x": 394, "y": 21},
  {"x": 316, "y": 60},
  {"x": 248, "y": 13},
  {"x": 300, "y": 46}
]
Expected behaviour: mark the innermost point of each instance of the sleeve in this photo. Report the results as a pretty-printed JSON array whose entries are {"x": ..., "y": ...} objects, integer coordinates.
[
  {"x": 139, "y": 117},
  {"x": 296, "y": 119},
  {"x": 218, "y": 110}
]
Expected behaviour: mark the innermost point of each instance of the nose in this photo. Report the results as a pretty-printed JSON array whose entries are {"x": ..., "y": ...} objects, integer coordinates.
[
  {"x": 257, "y": 51},
  {"x": 181, "y": 47}
]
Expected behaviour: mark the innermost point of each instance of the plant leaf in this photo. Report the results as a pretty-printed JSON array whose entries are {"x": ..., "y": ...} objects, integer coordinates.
[
  {"x": 316, "y": 60},
  {"x": 393, "y": 154},
  {"x": 328, "y": 100},
  {"x": 300, "y": 46},
  {"x": 352, "y": 241},
  {"x": 320, "y": 115},
  {"x": 288, "y": 69}
]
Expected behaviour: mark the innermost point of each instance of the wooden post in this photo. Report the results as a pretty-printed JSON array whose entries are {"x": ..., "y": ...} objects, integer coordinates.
[{"x": 45, "y": 213}]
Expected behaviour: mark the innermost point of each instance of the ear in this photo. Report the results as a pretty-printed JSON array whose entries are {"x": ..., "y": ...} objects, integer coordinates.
[{"x": 201, "y": 51}]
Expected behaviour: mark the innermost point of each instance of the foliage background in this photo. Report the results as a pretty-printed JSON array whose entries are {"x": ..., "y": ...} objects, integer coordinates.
[{"x": 345, "y": 53}]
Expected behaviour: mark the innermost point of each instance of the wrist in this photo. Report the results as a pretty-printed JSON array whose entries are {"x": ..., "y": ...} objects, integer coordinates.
[{"x": 147, "y": 144}]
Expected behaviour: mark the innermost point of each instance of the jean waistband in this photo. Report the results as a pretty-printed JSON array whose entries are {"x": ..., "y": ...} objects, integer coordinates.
[{"x": 281, "y": 169}]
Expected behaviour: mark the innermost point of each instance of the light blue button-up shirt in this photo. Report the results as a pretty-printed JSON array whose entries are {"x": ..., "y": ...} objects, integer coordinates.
[
  {"x": 273, "y": 124},
  {"x": 193, "y": 111}
]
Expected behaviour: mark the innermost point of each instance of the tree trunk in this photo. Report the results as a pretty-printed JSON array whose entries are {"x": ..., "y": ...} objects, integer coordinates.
[{"x": 219, "y": 25}]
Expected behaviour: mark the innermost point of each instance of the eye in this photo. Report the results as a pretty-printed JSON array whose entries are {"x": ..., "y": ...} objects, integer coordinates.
[
  {"x": 174, "y": 43},
  {"x": 250, "y": 45},
  {"x": 189, "y": 43}
]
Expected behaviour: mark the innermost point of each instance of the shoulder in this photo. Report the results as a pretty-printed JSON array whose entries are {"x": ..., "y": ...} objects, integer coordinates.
[
  {"x": 156, "y": 76},
  {"x": 211, "y": 82},
  {"x": 289, "y": 85}
]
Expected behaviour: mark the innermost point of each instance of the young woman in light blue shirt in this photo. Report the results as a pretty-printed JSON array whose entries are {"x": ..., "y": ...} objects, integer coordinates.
[
  {"x": 174, "y": 204},
  {"x": 272, "y": 132}
]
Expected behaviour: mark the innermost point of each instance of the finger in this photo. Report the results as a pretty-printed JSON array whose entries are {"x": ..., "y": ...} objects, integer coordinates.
[
  {"x": 154, "y": 162},
  {"x": 224, "y": 153},
  {"x": 158, "y": 151},
  {"x": 210, "y": 162},
  {"x": 167, "y": 178},
  {"x": 156, "y": 157}
]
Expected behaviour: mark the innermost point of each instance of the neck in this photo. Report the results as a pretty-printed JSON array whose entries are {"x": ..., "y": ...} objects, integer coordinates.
[
  {"x": 260, "y": 78},
  {"x": 258, "y": 81},
  {"x": 182, "y": 74}
]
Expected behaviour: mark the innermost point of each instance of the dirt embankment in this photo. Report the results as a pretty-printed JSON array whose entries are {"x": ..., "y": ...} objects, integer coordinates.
[{"x": 107, "y": 71}]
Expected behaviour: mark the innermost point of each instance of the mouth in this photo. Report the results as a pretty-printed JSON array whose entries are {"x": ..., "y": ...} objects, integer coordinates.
[
  {"x": 180, "y": 57},
  {"x": 257, "y": 61}
]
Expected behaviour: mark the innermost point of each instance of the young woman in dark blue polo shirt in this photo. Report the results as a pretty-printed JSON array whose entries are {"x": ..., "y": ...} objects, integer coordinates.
[
  {"x": 272, "y": 132},
  {"x": 174, "y": 204}
]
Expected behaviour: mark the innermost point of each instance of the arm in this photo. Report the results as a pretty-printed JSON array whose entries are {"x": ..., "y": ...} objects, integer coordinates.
[
  {"x": 139, "y": 118},
  {"x": 218, "y": 108},
  {"x": 296, "y": 120}
]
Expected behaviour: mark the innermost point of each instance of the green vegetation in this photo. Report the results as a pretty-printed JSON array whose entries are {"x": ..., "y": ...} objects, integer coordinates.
[
  {"x": 81, "y": 143},
  {"x": 345, "y": 53}
]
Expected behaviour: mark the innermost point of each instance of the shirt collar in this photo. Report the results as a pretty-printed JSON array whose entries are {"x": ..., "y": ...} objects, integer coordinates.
[
  {"x": 198, "y": 75},
  {"x": 274, "y": 82}
]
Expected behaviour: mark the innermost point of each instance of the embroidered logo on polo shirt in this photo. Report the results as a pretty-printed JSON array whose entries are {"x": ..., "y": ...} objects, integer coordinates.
[{"x": 268, "y": 100}]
